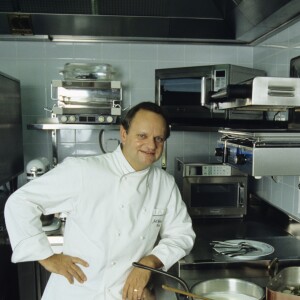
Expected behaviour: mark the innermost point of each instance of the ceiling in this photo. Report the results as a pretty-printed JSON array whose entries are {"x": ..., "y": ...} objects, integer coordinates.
[{"x": 191, "y": 21}]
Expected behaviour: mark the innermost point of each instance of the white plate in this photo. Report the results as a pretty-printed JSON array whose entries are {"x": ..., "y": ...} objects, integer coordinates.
[{"x": 263, "y": 249}]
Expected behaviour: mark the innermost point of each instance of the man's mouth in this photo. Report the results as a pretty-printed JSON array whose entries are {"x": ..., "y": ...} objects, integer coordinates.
[{"x": 149, "y": 153}]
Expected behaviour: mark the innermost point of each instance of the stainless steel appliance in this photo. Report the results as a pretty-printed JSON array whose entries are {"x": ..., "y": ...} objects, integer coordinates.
[
  {"x": 185, "y": 93},
  {"x": 260, "y": 93},
  {"x": 87, "y": 101},
  {"x": 34, "y": 169},
  {"x": 261, "y": 152},
  {"x": 211, "y": 189}
]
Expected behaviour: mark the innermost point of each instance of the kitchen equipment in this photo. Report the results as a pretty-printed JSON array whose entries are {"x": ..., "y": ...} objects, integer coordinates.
[
  {"x": 261, "y": 152},
  {"x": 185, "y": 93},
  {"x": 229, "y": 288},
  {"x": 283, "y": 285},
  {"x": 226, "y": 288},
  {"x": 260, "y": 93},
  {"x": 37, "y": 167},
  {"x": 87, "y": 101},
  {"x": 96, "y": 71},
  {"x": 211, "y": 189},
  {"x": 34, "y": 169},
  {"x": 11, "y": 132}
]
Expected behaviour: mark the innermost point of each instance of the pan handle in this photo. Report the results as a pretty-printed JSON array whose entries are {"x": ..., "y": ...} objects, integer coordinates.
[
  {"x": 181, "y": 281},
  {"x": 273, "y": 267}
]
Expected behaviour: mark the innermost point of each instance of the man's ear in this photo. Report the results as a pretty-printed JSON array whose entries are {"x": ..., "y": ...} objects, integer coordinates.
[{"x": 123, "y": 134}]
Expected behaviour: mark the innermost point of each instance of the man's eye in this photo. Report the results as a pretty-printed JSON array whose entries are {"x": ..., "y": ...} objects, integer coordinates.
[
  {"x": 159, "y": 139},
  {"x": 141, "y": 136}
]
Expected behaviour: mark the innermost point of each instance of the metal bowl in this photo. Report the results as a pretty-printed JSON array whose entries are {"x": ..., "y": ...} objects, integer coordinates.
[{"x": 228, "y": 288}]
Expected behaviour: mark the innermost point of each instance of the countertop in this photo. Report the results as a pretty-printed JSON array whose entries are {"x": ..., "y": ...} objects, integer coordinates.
[{"x": 263, "y": 223}]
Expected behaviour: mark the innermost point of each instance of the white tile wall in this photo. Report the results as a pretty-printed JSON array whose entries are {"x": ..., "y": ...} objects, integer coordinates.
[{"x": 37, "y": 63}]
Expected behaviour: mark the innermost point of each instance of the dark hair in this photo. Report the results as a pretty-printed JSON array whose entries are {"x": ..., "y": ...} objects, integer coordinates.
[{"x": 150, "y": 106}]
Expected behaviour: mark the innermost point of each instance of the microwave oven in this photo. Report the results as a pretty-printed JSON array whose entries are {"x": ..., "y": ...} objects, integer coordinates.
[
  {"x": 185, "y": 93},
  {"x": 211, "y": 190}
]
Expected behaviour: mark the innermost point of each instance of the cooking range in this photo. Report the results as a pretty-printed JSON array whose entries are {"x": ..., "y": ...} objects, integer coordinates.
[{"x": 262, "y": 152}]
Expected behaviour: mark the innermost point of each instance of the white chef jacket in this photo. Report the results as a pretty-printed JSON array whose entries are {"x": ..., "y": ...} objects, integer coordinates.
[{"x": 114, "y": 217}]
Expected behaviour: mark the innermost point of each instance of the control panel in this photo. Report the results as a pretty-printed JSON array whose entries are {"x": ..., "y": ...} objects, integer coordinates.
[
  {"x": 216, "y": 170},
  {"x": 239, "y": 156},
  {"x": 87, "y": 119}
]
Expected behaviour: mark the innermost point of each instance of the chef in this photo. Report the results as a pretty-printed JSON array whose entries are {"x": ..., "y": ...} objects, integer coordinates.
[{"x": 120, "y": 209}]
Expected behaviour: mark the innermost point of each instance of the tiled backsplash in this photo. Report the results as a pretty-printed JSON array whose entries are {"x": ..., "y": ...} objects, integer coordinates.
[{"x": 37, "y": 63}]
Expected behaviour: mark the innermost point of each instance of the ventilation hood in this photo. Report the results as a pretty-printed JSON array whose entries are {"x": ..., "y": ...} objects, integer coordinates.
[{"x": 194, "y": 21}]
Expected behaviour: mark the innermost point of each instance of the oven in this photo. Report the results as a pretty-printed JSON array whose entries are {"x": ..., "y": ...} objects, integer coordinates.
[
  {"x": 211, "y": 189},
  {"x": 185, "y": 93},
  {"x": 87, "y": 101}
]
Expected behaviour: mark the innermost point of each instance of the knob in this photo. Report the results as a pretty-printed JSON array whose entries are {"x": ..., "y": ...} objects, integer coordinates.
[
  {"x": 63, "y": 119},
  {"x": 219, "y": 151},
  {"x": 72, "y": 119},
  {"x": 101, "y": 119},
  {"x": 109, "y": 119},
  {"x": 240, "y": 159}
]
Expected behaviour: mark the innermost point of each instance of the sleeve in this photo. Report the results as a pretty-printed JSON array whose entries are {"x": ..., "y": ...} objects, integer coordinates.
[
  {"x": 56, "y": 191},
  {"x": 177, "y": 236}
]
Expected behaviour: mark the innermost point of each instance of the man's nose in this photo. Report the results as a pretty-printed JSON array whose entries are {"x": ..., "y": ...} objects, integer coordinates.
[{"x": 151, "y": 143}]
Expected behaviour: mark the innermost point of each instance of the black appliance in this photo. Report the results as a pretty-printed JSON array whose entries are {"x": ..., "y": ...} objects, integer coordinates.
[{"x": 11, "y": 150}]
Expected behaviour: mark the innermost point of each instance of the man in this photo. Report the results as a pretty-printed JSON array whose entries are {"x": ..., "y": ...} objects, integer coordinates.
[{"x": 117, "y": 205}]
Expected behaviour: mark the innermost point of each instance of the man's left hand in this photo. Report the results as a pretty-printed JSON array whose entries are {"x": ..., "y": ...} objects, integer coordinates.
[{"x": 134, "y": 288}]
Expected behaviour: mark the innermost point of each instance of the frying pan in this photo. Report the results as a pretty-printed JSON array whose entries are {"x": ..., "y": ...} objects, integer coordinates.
[{"x": 235, "y": 287}]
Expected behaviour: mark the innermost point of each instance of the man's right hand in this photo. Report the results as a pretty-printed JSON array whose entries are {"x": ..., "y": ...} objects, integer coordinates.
[{"x": 65, "y": 265}]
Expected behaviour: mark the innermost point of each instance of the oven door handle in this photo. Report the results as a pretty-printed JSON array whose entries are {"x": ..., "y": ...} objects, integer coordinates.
[
  {"x": 203, "y": 91},
  {"x": 241, "y": 194}
]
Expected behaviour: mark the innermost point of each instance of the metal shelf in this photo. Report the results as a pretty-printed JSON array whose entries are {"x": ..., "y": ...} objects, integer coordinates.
[{"x": 56, "y": 126}]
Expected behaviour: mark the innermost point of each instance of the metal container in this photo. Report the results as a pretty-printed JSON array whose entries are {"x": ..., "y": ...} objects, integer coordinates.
[
  {"x": 228, "y": 288},
  {"x": 96, "y": 71},
  {"x": 285, "y": 285}
]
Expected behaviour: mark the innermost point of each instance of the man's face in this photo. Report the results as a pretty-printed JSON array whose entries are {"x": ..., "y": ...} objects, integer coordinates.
[{"x": 144, "y": 142}]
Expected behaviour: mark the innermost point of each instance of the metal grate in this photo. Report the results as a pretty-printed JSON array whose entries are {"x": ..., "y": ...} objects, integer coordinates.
[
  {"x": 132, "y": 7},
  {"x": 56, "y": 6},
  {"x": 6, "y": 6}
]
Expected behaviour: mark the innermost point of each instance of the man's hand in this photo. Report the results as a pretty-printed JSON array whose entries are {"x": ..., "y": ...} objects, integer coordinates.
[
  {"x": 65, "y": 265},
  {"x": 134, "y": 288}
]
